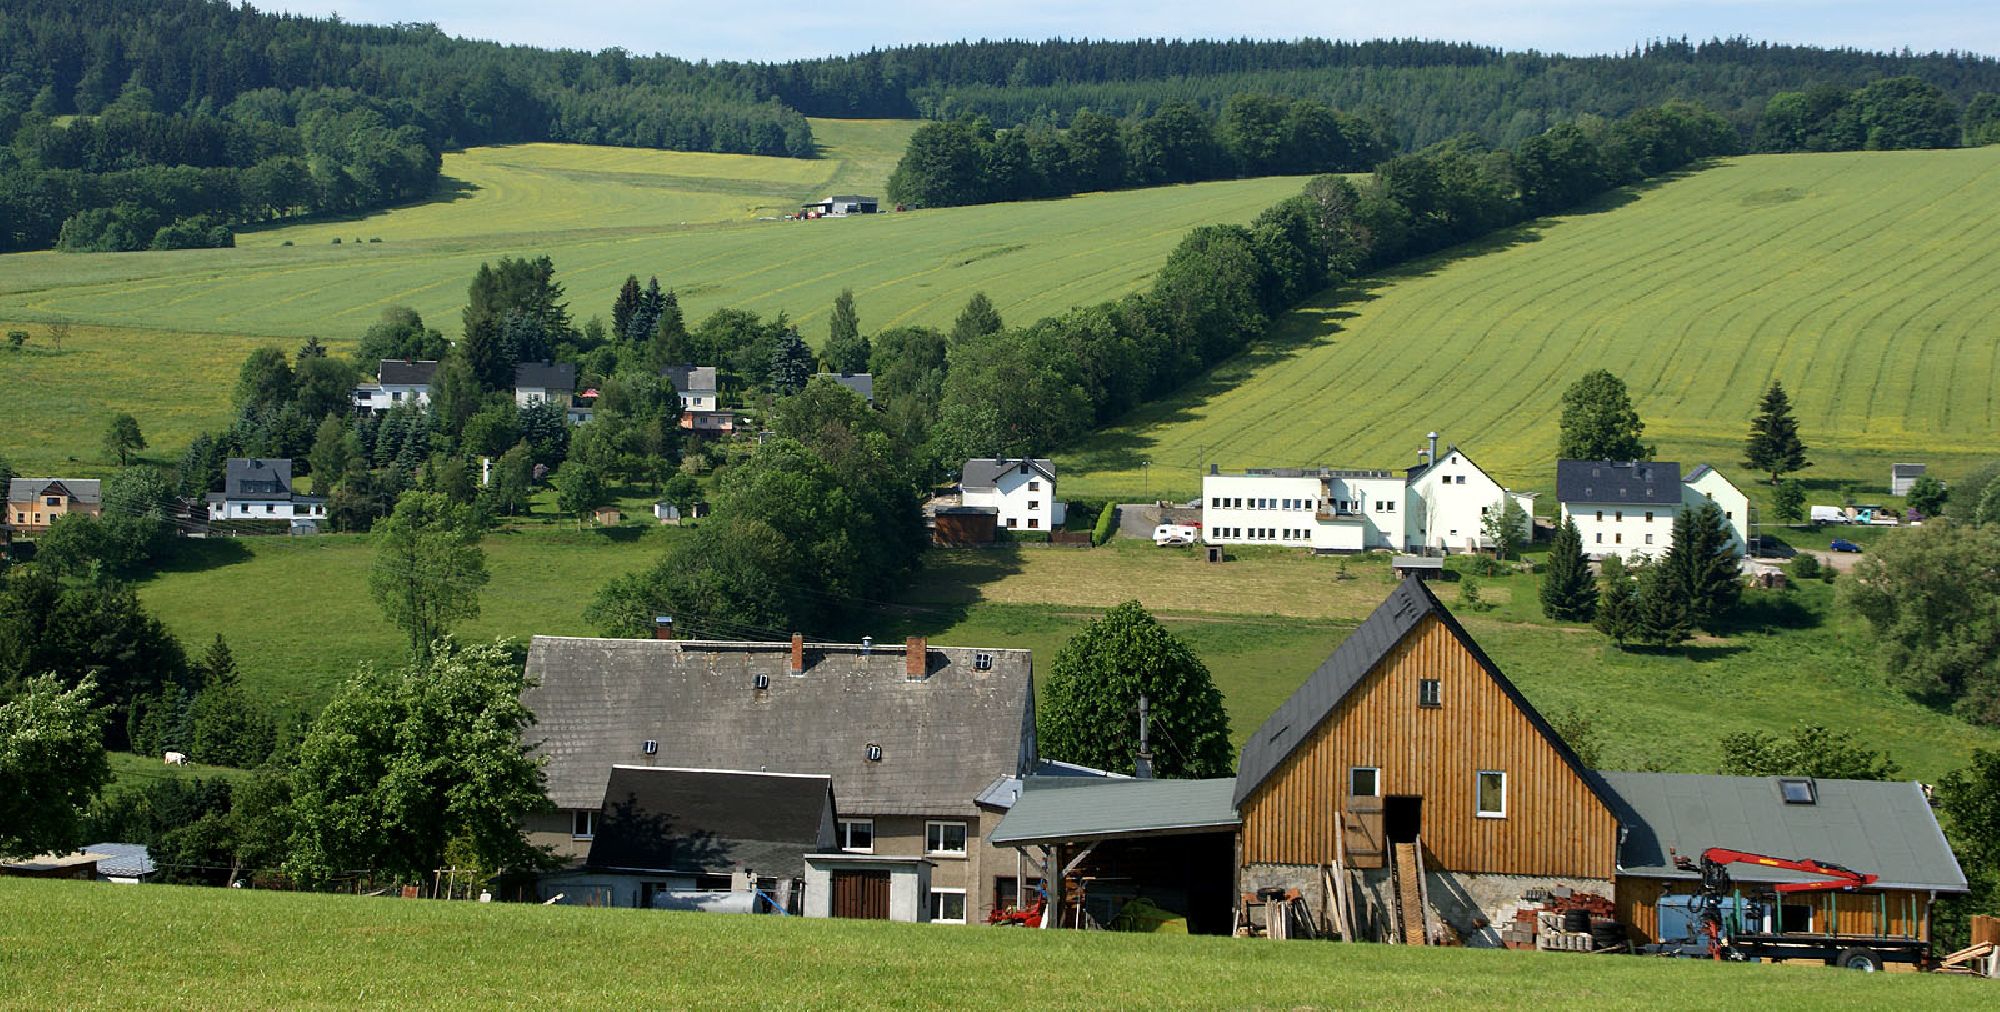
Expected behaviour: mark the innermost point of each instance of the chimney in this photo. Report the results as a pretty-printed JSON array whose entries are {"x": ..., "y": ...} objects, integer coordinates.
[
  {"x": 867, "y": 645},
  {"x": 1434, "y": 447},
  {"x": 1142, "y": 769},
  {"x": 663, "y": 627},
  {"x": 916, "y": 658},
  {"x": 798, "y": 653},
  {"x": 1215, "y": 469}
]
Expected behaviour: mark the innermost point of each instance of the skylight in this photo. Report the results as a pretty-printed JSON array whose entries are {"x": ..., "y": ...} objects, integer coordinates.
[{"x": 1797, "y": 791}]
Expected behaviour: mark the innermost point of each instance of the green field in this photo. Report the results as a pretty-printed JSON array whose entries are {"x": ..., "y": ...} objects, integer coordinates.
[
  {"x": 87, "y": 945},
  {"x": 1866, "y": 282}
]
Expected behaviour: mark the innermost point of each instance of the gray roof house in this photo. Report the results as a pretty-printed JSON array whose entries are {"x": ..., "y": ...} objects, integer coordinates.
[
  {"x": 982, "y": 474},
  {"x": 863, "y": 384},
  {"x": 1619, "y": 482},
  {"x": 690, "y": 379},
  {"x": 124, "y": 863},
  {"x": 405, "y": 372},
  {"x": 1902, "y": 476},
  {"x": 89, "y": 491},
  {"x": 545, "y": 377},
  {"x": 260, "y": 488}
]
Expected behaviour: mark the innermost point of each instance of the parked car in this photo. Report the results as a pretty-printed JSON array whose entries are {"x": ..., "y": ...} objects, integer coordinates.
[
  {"x": 1844, "y": 545},
  {"x": 1175, "y": 534}
]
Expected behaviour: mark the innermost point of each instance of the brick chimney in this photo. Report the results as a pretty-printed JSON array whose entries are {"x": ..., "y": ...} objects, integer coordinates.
[
  {"x": 798, "y": 653},
  {"x": 663, "y": 627},
  {"x": 916, "y": 658}
]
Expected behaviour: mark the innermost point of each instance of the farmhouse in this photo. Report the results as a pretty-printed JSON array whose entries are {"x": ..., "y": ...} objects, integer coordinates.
[
  {"x": 1021, "y": 490},
  {"x": 397, "y": 381},
  {"x": 1450, "y": 499},
  {"x": 1706, "y": 484},
  {"x": 910, "y": 734},
  {"x": 718, "y": 840},
  {"x": 1627, "y": 508},
  {"x": 35, "y": 503},
  {"x": 839, "y": 207},
  {"x": 260, "y": 488}
]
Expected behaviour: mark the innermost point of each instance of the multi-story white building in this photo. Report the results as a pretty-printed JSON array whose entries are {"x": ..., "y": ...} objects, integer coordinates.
[
  {"x": 1706, "y": 484},
  {"x": 1450, "y": 500},
  {"x": 1627, "y": 508},
  {"x": 1022, "y": 490}
]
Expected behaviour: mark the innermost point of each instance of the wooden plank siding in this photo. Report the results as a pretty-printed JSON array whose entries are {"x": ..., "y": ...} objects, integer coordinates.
[
  {"x": 1554, "y": 826},
  {"x": 1897, "y": 913}
]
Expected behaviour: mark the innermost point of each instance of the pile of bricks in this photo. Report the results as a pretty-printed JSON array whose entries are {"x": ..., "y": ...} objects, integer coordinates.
[{"x": 1538, "y": 921}]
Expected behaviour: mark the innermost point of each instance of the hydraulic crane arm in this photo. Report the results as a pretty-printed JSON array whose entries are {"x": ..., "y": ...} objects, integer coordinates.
[{"x": 1837, "y": 877}]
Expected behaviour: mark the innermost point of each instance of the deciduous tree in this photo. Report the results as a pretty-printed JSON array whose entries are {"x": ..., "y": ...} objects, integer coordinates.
[
  {"x": 1506, "y": 525},
  {"x": 1598, "y": 421},
  {"x": 1812, "y": 750},
  {"x": 122, "y": 438},
  {"x": 1931, "y": 595},
  {"x": 428, "y": 568},
  {"x": 847, "y": 348},
  {"x": 1928, "y": 496},
  {"x": 1090, "y": 712},
  {"x": 51, "y": 765},
  {"x": 977, "y": 319}
]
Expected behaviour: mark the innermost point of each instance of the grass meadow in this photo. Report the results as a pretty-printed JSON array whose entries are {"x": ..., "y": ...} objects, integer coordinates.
[
  {"x": 1867, "y": 282},
  {"x": 90, "y": 945}
]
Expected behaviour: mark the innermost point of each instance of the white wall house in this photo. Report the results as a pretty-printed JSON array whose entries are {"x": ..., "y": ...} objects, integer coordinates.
[
  {"x": 696, "y": 385},
  {"x": 1324, "y": 509},
  {"x": 1706, "y": 484},
  {"x": 1622, "y": 508},
  {"x": 260, "y": 488},
  {"x": 1450, "y": 500},
  {"x": 1022, "y": 489},
  {"x": 544, "y": 381},
  {"x": 397, "y": 381}
]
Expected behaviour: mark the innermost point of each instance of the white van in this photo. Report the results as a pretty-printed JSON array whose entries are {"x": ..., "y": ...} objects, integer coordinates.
[
  {"x": 1828, "y": 515},
  {"x": 1175, "y": 534}
]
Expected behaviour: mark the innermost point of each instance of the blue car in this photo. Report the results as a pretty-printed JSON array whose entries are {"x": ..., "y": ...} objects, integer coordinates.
[{"x": 1844, "y": 545}]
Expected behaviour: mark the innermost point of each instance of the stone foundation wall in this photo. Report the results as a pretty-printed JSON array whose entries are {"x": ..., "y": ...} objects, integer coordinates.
[{"x": 1459, "y": 899}]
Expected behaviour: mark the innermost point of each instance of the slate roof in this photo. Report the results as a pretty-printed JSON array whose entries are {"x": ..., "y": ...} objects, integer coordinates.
[
  {"x": 545, "y": 376},
  {"x": 123, "y": 860},
  {"x": 863, "y": 384},
  {"x": 982, "y": 474},
  {"x": 690, "y": 379},
  {"x": 258, "y": 478},
  {"x": 1394, "y": 618},
  {"x": 1879, "y": 827},
  {"x": 85, "y": 490},
  {"x": 712, "y": 821},
  {"x": 944, "y": 737},
  {"x": 1070, "y": 808},
  {"x": 1621, "y": 482},
  {"x": 1906, "y": 470},
  {"x": 405, "y": 372}
]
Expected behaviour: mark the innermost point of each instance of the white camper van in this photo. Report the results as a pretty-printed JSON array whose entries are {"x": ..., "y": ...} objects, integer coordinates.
[{"x": 1175, "y": 534}]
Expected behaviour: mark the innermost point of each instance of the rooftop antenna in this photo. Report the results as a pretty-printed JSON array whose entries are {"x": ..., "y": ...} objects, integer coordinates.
[{"x": 1143, "y": 769}]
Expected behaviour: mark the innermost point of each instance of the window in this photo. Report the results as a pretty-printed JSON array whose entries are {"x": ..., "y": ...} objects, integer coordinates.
[
  {"x": 51, "y": 501},
  {"x": 1618, "y": 517},
  {"x": 1492, "y": 794},
  {"x": 1600, "y": 516},
  {"x": 1618, "y": 539},
  {"x": 982, "y": 661},
  {"x": 1485, "y": 510},
  {"x": 1649, "y": 516},
  {"x": 1034, "y": 486},
  {"x": 874, "y": 752},
  {"x": 1364, "y": 782},
  {"x": 1034, "y": 522},
  {"x": 1011, "y": 522},
  {"x": 1430, "y": 692},
  {"x": 1649, "y": 539},
  {"x": 1215, "y": 502},
  {"x": 1461, "y": 479},
  {"x": 582, "y": 825},
  {"x": 270, "y": 508},
  {"x": 944, "y": 837},
  {"x": 1600, "y": 538},
  {"x": 947, "y": 906},
  {"x": 1797, "y": 791},
  {"x": 857, "y": 835},
  {"x": 1388, "y": 505}
]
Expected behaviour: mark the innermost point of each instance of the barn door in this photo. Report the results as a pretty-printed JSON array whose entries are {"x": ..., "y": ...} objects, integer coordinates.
[
  {"x": 1363, "y": 831},
  {"x": 861, "y": 894}
]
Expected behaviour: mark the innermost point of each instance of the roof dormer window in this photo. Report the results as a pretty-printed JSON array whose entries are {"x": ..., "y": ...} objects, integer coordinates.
[{"x": 1798, "y": 791}]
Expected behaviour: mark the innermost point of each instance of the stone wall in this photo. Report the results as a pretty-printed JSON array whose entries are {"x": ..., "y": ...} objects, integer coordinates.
[{"x": 1459, "y": 899}]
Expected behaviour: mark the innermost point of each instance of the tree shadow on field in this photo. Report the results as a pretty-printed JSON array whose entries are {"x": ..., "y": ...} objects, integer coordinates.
[
  {"x": 940, "y": 595},
  {"x": 199, "y": 555},
  {"x": 448, "y": 191}
]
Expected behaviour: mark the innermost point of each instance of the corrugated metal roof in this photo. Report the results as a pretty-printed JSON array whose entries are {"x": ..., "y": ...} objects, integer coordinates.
[
  {"x": 1880, "y": 827},
  {"x": 1071, "y": 808},
  {"x": 1619, "y": 482}
]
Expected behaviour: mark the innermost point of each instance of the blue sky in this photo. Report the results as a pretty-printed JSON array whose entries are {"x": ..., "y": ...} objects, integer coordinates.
[{"x": 786, "y": 29}]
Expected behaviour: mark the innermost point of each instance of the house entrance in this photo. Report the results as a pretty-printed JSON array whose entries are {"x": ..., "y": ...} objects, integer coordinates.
[
  {"x": 1402, "y": 817},
  {"x": 861, "y": 894}
]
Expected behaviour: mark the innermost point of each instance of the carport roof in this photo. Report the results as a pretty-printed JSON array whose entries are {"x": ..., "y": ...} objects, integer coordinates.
[{"x": 1051, "y": 809}]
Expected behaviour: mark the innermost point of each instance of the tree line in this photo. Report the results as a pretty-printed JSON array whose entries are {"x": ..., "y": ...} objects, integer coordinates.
[
  {"x": 1886, "y": 114},
  {"x": 966, "y": 161}
]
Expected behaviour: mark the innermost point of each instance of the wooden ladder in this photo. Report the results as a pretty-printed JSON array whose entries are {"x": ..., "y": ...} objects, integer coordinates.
[{"x": 1410, "y": 894}]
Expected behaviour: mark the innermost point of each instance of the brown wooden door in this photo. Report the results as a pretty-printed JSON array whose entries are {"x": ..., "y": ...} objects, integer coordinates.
[{"x": 861, "y": 894}]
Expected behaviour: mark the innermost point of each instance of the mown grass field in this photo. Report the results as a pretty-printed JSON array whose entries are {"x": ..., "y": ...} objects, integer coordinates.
[
  {"x": 88, "y": 945},
  {"x": 1866, "y": 282}
]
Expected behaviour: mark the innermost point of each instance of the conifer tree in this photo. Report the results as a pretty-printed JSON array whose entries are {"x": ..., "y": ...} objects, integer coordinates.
[
  {"x": 622, "y": 308},
  {"x": 1618, "y": 608},
  {"x": 1774, "y": 446},
  {"x": 1789, "y": 502},
  {"x": 847, "y": 349},
  {"x": 978, "y": 319},
  {"x": 1568, "y": 592},
  {"x": 1700, "y": 569},
  {"x": 1662, "y": 616},
  {"x": 791, "y": 363}
]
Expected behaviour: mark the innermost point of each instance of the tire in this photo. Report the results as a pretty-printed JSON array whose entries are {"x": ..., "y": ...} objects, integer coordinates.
[
  {"x": 1607, "y": 935},
  {"x": 1865, "y": 960},
  {"x": 1576, "y": 920}
]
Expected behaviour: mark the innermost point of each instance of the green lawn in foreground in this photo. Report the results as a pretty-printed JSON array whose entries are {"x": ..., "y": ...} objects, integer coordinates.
[
  {"x": 1866, "y": 282},
  {"x": 74, "y": 945}
]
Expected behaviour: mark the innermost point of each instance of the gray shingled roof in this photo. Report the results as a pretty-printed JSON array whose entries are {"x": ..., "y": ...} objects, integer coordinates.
[
  {"x": 1349, "y": 663},
  {"x": 86, "y": 490},
  {"x": 1619, "y": 482},
  {"x": 123, "y": 860},
  {"x": 691, "y": 379},
  {"x": 257, "y": 478},
  {"x": 1878, "y": 827},
  {"x": 944, "y": 737},
  {"x": 983, "y": 473},
  {"x": 695, "y": 821},
  {"x": 405, "y": 372},
  {"x": 545, "y": 376},
  {"x": 1071, "y": 808}
]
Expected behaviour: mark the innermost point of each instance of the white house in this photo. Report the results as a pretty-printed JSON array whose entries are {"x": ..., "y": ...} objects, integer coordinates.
[
  {"x": 696, "y": 385},
  {"x": 397, "y": 381},
  {"x": 260, "y": 488},
  {"x": 1324, "y": 509},
  {"x": 544, "y": 381},
  {"x": 1450, "y": 500},
  {"x": 1022, "y": 489},
  {"x": 1623, "y": 508},
  {"x": 1706, "y": 484}
]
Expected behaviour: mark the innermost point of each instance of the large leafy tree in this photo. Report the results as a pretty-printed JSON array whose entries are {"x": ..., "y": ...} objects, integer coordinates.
[
  {"x": 1701, "y": 567},
  {"x": 428, "y": 567},
  {"x": 1090, "y": 709},
  {"x": 1774, "y": 446},
  {"x": 1506, "y": 525},
  {"x": 1568, "y": 592},
  {"x": 404, "y": 764},
  {"x": 1932, "y": 597},
  {"x": 122, "y": 438},
  {"x": 1811, "y": 750},
  {"x": 1599, "y": 422},
  {"x": 1969, "y": 798},
  {"x": 51, "y": 765}
]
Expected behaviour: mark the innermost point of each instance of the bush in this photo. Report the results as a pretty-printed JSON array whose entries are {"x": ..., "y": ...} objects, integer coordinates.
[
  {"x": 198, "y": 232},
  {"x": 1805, "y": 566},
  {"x": 1106, "y": 518}
]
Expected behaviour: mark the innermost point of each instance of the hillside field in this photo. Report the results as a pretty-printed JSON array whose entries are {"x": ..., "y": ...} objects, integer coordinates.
[
  {"x": 88, "y": 945},
  {"x": 1867, "y": 282}
]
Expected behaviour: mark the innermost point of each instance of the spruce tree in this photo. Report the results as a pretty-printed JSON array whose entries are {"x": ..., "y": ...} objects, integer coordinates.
[
  {"x": 1618, "y": 608},
  {"x": 1789, "y": 502},
  {"x": 1700, "y": 569},
  {"x": 977, "y": 320},
  {"x": 622, "y": 308},
  {"x": 1662, "y": 616},
  {"x": 791, "y": 363},
  {"x": 846, "y": 348},
  {"x": 1774, "y": 445},
  {"x": 1568, "y": 592}
]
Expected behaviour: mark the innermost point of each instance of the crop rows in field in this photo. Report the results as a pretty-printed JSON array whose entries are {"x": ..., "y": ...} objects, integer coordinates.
[{"x": 1866, "y": 282}]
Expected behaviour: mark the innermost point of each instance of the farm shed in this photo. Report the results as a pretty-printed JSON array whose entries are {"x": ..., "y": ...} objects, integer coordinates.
[
  {"x": 123, "y": 863},
  {"x": 1105, "y": 843},
  {"x": 1421, "y": 567},
  {"x": 966, "y": 526},
  {"x": 80, "y": 864},
  {"x": 1902, "y": 476},
  {"x": 839, "y": 207},
  {"x": 1878, "y": 827},
  {"x": 722, "y": 840}
]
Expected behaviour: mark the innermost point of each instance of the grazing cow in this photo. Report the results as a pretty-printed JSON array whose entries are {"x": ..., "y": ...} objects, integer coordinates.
[{"x": 176, "y": 759}]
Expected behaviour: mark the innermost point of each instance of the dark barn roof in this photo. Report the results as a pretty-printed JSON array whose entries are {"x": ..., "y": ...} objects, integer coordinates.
[
  {"x": 1619, "y": 482},
  {"x": 1365, "y": 647},
  {"x": 944, "y": 736},
  {"x": 405, "y": 372},
  {"x": 863, "y": 384},
  {"x": 1880, "y": 827},
  {"x": 545, "y": 376},
  {"x": 712, "y": 821}
]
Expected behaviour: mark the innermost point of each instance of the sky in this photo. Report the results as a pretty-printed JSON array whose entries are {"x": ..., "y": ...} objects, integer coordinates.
[{"x": 790, "y": 29}]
